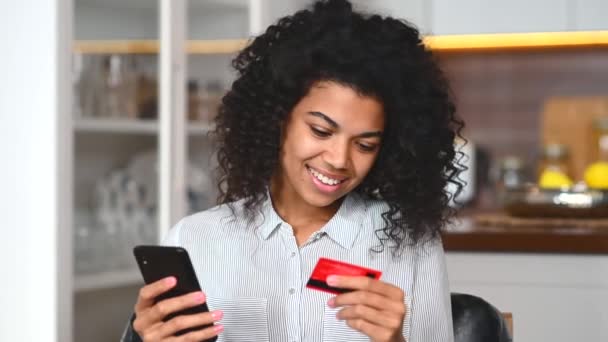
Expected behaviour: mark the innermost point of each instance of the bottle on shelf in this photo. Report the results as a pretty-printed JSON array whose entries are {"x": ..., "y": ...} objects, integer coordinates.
[
  {"x": 119, "y": 88},
  {"x": 596, "y": 174},
  {"x": 554, "y": 168},
  {"x": 600, "y": 139},
  {"x": 511, "y": 173},
  {"x": 194, "y": 100},
  {"x": 211, "y": 98}
]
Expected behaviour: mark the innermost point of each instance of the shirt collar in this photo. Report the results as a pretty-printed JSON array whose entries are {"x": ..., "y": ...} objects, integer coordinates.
[
  {"x": 271, "y": 221},
  {"x": 344, "y": 227}
]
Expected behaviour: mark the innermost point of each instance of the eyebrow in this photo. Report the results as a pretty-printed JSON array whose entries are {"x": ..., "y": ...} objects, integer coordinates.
[{"x": 335, "y": 125}]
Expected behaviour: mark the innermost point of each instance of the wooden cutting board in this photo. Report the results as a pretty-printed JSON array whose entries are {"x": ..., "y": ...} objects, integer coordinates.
[{"x": 569, "y": 121}]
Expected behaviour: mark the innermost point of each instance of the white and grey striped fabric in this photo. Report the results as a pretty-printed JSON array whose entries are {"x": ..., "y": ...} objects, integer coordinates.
[{"x": 256, "y": 273}]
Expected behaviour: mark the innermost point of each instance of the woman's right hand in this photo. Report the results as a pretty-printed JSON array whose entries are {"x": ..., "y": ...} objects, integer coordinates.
[{"x": 149, "y": 316}]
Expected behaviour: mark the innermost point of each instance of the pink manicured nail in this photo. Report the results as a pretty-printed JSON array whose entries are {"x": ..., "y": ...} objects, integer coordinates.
[
  {"x": 170, "y": 281},
  {"x": 218, "y": 328},
  {"x": 199, "y": 297},
  {"x": 332, "y": 280},
  {"x": 331, "y": 302},
  {"x": 217, "y": 315}
]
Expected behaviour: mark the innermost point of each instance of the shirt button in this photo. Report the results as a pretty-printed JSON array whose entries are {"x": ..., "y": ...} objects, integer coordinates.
[
  {"x": 293, "y": 254},
  {"x": 292, "y": 291}
]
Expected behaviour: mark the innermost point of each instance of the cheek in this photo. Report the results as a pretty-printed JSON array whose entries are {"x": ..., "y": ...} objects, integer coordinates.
[
  {"x": 302, "y": 147},
  {"x": 363, "y": 164}
]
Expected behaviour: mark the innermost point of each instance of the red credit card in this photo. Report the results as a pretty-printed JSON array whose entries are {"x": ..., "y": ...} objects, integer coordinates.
[{"x": 326, "y": 267}]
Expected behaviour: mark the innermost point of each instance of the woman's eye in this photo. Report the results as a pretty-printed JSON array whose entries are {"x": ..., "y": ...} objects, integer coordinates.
[
  {"x": 367, "y": 147},
  {"x": 319, "y": 133}
]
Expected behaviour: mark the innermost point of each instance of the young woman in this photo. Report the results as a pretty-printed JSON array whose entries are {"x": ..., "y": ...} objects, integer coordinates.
[{"x": 336, "y": 140}]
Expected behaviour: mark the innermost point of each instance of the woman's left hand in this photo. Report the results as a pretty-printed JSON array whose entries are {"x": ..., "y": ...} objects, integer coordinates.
[{"x": 375, "y": 308}]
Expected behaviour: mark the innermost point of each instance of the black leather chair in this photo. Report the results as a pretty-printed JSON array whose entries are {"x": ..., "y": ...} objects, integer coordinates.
[{"x": 476, "y": 320}]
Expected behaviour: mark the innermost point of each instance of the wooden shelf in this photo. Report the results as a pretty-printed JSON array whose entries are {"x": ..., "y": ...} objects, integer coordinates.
[
  {"x": 106, "y": 280},
  {"x": 194, "y": 47},
  {"x": 446, "y": 43},
  {"x": 131, "y": 126}
]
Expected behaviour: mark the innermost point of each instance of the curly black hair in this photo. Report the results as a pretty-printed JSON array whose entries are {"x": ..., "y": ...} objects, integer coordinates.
[{"x": 374, "y": 55}]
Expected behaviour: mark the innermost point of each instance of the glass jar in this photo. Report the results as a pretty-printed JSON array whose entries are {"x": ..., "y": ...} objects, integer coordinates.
[
  {"x": 512, "y": 172},
  {"x": 600, "y": 139},
  {"x": 555, "y": 157},
  {"x": 118, "y": 95}
]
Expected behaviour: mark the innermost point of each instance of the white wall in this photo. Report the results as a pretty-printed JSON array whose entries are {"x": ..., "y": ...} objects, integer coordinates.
[{"x": 35, "y": 293}]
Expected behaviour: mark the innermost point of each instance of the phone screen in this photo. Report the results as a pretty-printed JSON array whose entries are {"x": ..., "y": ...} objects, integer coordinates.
[{"x": 158, "y": 262}]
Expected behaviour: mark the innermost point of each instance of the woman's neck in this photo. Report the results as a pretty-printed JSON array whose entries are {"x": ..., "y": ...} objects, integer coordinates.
[{"x": 305, "y": 219}]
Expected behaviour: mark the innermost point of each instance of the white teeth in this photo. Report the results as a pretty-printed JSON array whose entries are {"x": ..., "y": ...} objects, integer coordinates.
[{"x": 324, "y": 179}]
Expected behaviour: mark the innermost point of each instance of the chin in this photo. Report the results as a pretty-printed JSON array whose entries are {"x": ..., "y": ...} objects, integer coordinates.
[{"x": 321, "y": 200}]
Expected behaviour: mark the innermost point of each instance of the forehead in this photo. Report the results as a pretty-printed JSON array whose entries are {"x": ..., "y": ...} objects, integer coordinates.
[{"x": 347, "y": 107}]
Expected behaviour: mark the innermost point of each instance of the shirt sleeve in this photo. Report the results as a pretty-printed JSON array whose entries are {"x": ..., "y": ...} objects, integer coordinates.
[
  {"x": 172, "y": 236},
  {"x": 431, "y": 309}
]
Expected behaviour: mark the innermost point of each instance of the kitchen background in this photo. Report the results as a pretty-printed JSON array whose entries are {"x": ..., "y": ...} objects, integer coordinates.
[{"x": 530, "y": 103}]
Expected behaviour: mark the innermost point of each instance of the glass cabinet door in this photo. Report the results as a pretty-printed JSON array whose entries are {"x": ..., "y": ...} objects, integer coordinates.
[
  {"x": 121, "y": 185},
  {"x": 115, "y": 109},
  {"x": 216, "y": 31}
]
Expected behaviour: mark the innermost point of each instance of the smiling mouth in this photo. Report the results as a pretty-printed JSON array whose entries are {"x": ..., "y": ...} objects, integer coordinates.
[{"x": 323, "y": 178}]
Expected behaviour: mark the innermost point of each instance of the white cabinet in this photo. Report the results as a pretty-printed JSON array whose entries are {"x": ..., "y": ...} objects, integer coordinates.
[
  {"x": 494, "y": 16},
  {"x": 590, "y": 14},
  {"x": 559, "y": 298},
  {"x": 447, "y": 17},
  {"x": 516, "y": 16},
  {"x": 118, "y": 178},
  {"x": 116, "y": 145}
]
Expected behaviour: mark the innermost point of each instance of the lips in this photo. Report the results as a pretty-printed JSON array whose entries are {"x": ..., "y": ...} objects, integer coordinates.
[{"x": 326, "y": 178}]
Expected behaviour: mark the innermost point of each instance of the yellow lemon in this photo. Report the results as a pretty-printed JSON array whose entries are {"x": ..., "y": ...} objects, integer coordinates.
[
  {"x": 551, "y": 179},
  {"x": 596, "y": 175}
]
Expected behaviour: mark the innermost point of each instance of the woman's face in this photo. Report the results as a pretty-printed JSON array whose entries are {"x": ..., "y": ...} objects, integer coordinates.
[{"x": 330, "y": 142}]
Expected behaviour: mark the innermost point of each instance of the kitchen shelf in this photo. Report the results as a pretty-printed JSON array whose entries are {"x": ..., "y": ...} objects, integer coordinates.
[
  {"x": 467, "y": 235},
  {"x": 131, "y": 126},
  {"x": 519, "y": 41},
  {"x": 106, "y": 280},
  {"x": 195, "y": 47},
  {"x": 446, "y": 43}
]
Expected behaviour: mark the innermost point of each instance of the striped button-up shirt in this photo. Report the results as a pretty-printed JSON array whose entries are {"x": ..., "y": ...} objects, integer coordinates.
[{"x": 255, "y": 272}]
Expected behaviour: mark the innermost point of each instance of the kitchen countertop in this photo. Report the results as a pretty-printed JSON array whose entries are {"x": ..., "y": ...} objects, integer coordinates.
[{"x": 470, "y": 236}]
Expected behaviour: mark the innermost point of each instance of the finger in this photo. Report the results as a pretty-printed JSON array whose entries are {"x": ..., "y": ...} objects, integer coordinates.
[
  {"x": 374, "y": 332},
  {"x": 168, "y": 306},
  {"x": 365, "y": 283},
  {"x": 182, "y": 322},
  {"x": 371, "y": 299},
  {"x": 371, "y": 315},
  {"x": 199, "y": 335},
  {"x": 148, "y": 293},
  {"x": 149, "y": 333}
]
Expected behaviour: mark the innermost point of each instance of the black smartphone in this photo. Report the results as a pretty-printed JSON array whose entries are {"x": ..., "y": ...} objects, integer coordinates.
[{"x": 158, "y": 262}]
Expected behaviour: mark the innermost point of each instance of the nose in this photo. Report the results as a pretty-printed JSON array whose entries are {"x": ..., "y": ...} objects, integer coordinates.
[{"x": 338, "y": 155}]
